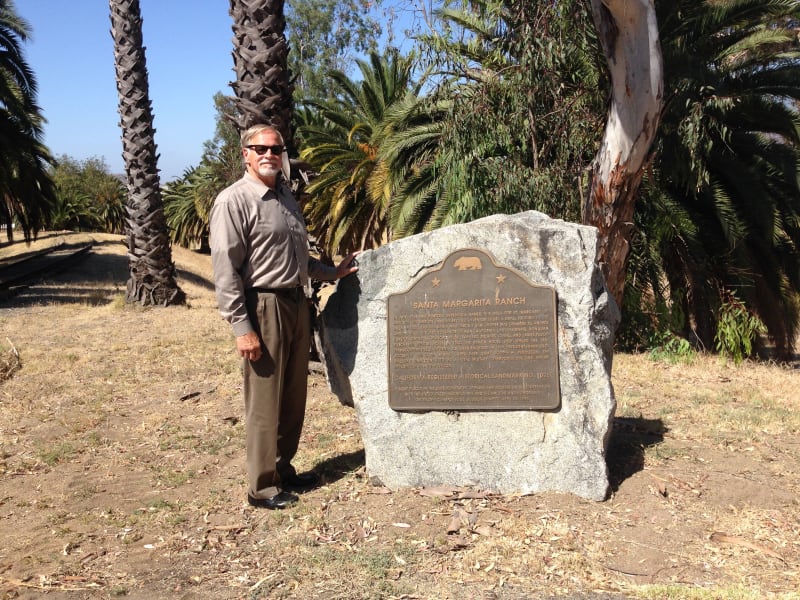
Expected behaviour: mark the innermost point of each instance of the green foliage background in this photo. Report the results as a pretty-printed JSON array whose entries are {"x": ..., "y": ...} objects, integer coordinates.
[{"x": 500, "y": 111}]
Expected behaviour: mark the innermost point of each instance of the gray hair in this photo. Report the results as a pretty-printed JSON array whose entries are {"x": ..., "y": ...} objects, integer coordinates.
[{"x": 252, "y": 131}]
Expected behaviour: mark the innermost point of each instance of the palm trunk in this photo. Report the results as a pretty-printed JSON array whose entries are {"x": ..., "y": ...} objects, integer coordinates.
[
  {"x": 263, "y": 85},
  {"x": 629, "y": 36},
  {"x": 152, "y": 279}
]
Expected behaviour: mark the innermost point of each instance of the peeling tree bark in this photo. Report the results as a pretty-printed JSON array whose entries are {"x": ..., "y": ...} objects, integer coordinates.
[{"x": 628, "y": 34}]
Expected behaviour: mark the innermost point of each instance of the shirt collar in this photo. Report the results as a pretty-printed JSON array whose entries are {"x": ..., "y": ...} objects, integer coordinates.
[{"x": 261, "y": 187}]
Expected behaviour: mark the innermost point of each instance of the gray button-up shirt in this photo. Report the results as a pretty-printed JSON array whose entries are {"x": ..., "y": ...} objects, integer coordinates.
[{"x": 258, "y": 239}]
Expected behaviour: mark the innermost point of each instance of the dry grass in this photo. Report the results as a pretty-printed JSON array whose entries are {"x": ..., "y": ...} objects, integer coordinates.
[
  {"x": 121, "y": 475},
  {"x": 9, "y": 362}
]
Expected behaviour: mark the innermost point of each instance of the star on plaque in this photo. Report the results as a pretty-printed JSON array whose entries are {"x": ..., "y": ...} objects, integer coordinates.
[
  {"x": 500, "y": 278},
  {"x": 436, "y": 281}
]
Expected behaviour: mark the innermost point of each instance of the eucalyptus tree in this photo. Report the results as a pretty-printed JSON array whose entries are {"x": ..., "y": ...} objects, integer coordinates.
[
  {"x": 152, "y": 277},
  {"x": 514, "y": 120},
  {"x": 348, "y": 200},
  {"x": 27, "y": 194},
  {"x": 527, "y": 99},
  {"x": 717, "y": 213},
  {"x": 629, "y": 37},
  {"x": 721, "y": 219},
  {"x": 326, "y": 35},
  {"x": 263, "y": 87}
]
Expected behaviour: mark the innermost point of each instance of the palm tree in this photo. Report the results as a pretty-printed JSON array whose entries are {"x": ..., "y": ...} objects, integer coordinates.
[
  {"x": 413, "y": 157},
  {"x": 223, "y": 153},
  {"x": 110, "y": 199},
  {"x": 27, "y": 193},
  {"x": 88, "y": 185},
  {"x": 152, "y": 279},
  {"x": 188, "y": 202},
  {"x": 76, "y": 212},
  {"x": 725, "y": 176},
  {"x": 263, "y": 86},
  {"x": 349, "y": 198}
]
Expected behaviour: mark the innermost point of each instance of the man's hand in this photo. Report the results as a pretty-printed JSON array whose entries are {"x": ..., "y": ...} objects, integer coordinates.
[
  {"x": 249, "y": 346},
  {"x": 348, "y": 265}
]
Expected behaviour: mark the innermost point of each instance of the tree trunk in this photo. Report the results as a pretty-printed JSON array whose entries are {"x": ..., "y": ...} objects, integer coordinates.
[
  {"x": 152, "y": 279},
  {"x": 263, "y": 84},
  {"x": 628, "y": 33}
]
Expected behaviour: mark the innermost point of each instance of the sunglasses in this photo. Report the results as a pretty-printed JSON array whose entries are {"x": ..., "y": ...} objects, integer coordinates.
[{"x": 276, "y": 149}]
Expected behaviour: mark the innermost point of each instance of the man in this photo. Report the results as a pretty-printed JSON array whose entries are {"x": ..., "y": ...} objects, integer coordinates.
[{"x": 259, "y": 251}]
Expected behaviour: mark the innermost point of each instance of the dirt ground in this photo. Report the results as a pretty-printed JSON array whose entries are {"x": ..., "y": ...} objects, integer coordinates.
[{"x": 122, "y": 475}]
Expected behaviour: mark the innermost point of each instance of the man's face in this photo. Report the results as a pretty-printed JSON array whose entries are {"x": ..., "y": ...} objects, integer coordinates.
[{"x": 265, "y": 166}]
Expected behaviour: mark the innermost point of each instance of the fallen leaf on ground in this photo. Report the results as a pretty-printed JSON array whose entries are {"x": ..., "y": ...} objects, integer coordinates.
[
  {"x": 723, "y": 538},
  {"x": 459, "y": 516},
  {"x": 438, "y": 491},
  {"x": 474, "y": 495}
]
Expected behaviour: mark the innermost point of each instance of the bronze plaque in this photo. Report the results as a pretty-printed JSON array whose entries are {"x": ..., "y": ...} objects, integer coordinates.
[{"x": 472, "y": 335}]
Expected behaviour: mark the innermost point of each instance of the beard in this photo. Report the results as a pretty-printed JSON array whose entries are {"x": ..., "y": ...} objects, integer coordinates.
[{"x": 268, "y": 170}]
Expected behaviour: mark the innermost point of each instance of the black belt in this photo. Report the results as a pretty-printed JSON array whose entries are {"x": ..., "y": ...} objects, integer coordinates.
[{"x": 292, "y": 293}]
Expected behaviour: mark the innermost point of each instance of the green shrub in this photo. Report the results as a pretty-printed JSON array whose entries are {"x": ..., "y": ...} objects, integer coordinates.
[
  {"x": 668, "y": 347},
  {"x": 737, "y": 329}
]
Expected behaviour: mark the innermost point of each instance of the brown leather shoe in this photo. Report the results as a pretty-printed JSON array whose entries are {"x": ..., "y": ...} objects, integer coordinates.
[{"x": 277, "y": 502}]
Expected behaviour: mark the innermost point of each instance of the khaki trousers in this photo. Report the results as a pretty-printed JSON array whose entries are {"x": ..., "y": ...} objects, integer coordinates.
[{"x": 275, "y": 387}]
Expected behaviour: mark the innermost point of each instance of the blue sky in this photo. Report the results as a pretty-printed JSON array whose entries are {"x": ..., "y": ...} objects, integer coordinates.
[{"x": 188, "y": 50}]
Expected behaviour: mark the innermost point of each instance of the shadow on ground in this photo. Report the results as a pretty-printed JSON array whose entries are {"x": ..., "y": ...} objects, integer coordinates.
[
  {"x": 93, "y": 279},
  {"x": 630, "y": 438},
  {"x": 337, "y": 467}
]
